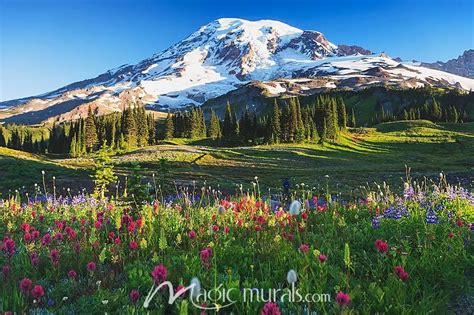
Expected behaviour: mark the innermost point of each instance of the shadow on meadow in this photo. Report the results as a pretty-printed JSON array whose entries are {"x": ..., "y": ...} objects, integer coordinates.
[
  {"x": 349, "y": 163},
  {"x": 22, "y": 174}
]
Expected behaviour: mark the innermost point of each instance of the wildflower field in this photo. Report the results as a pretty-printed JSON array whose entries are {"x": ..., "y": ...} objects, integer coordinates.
[{"x": 406, "y": 254}]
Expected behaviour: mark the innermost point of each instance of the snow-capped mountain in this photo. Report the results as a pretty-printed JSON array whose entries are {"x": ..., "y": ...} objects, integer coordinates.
[
  {"x": 223, "y": 56},
  {"x": 463, "y": 65}
]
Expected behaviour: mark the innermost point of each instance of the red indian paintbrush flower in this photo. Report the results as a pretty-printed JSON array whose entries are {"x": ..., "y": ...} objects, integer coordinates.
[
  {"x": 35, "y": 234},
  {"x": 9, "y": 246},
  {"x": 27, "y": 237},
  {"x": 381, "y": 246},
  {"x": 72, "y": 274},
  {"x": 91, "y": 266},
  {"x": 205, "y": 256},
  {"x": 6, "y": 271},
  {"x": 159, "y": 274},
  {"x": 270, "y": 309},
  {"x": 25, "y": 227},
  {"x": 322, "y": 258},
  {"x": 304, "y": 248},
  {"x": 46, "y": 239},
  {"x": 54, "y": 255},
  {"x": 25, "y": 285},
  {"x": 134, "y": 296},
  {"x": 342, "y": 298},
  {"x": 401, "y": 273},
  {"x": 133, "y": 245},
  {"x": 37, "y": 291},
  {"x": 34, "y": 258}
]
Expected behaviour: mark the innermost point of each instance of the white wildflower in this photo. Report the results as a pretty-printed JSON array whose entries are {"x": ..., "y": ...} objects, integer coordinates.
[
  {"x": 196, "y": 287},
  {"x": 291, "y": 277},
  {"x": 295, "y": 207}
]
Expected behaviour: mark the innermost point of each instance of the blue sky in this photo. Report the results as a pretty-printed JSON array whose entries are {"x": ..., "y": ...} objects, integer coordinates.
[{"x": 47, "y": 44}]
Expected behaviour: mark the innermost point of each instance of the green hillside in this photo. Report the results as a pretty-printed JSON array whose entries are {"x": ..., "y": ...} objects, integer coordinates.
[{"x": 360, "y": 155}]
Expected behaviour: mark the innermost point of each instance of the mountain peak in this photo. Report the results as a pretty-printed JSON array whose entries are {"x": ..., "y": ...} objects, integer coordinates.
[
  {"x": 222, "y": 56},
  {"x": 228, "y": 23},
  {"x": 463, "y": 65}
]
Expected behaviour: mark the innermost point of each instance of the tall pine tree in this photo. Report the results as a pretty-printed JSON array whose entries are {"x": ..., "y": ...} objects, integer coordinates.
[
  {"x": 214, "y": 130},
  {"x": 169, "y": 128},
  {"x": 275, "y": 124},
  {"x": 90, "y": 132}
]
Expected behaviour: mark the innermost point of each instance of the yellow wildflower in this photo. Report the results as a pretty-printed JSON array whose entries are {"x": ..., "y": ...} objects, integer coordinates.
[
  {"x": 143, "y": 243},
  {"x": 178, "y": 239}
]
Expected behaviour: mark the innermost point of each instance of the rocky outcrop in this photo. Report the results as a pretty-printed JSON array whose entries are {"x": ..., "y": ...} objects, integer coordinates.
[
  {"x": 347, "y": 50},
  {"x": 463, "y": 65}
]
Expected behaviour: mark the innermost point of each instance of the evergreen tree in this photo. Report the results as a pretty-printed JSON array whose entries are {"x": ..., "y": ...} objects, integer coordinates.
[
  {"x": 331, "y": 119},
  {"x": 28, "y": 142},
  {"x": 104, "y": 173},
  {"x": 341, "y": 112},
  {"x": 300, "y": 129},
  {"x": 15, "y": 140},
  {"x": 228, "y": 125},
  {"x": 151, "y": 129},
  {"x": 435, "y": 110},
  {"x": 90, "y": 132},
  {"x": 42, "y": 145},
  {"x": 169, "y": 132},
  {"x": 3, "y": 142},
  {"x": 405, "y": 115},
  {"x": 142, "y": 125},
  {"x": 214, "y": 130},
  {"x": 129, "y": 130},
  {"x": 454, "y": 115},
  {"x": 81, "y": 142},
  {"x": 73, "y": 147},
  {"x": 235, "y": 127},
  {"x": 464, "y": 117},
  {"x": 202, "y": 124},
  {"x": 111, "y": 132},
  {"x": 275, "y": 124},
  {"x": 323, "y": 132},
  {"x": 353, "y": 118},
  {"x": 293, "y": 120}
]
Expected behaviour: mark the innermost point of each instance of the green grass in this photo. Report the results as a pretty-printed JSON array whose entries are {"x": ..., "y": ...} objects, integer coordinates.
[
  {"x": 362, "y": 155},
  {"x": 21, "y": 170}
]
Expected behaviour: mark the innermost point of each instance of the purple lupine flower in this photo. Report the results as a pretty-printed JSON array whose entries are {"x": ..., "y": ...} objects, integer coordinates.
[
  {"x": 431, "y": 217},
  {"x": 375, "y": 223}
]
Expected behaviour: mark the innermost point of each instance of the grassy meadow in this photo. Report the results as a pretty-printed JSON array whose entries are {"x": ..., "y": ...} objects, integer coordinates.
[
  {"x": 361, "y": 156},
  {"x": 66, "y": 251}
]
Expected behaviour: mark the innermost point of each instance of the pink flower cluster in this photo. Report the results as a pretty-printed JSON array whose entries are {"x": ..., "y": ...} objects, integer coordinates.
[
  {"x": 304, "y": 248},
  {"x": 343, "y": 299},
  {"x": 159, "y": 274},
  {"x": 8, "y": 246},
  {"x": 382, "y": 246},
  {"x": 205, "y": 256},
  {"x": 270, "y": 309},
  {"x": 401, "y": 273},
  {"x": 36, "y": 292}
]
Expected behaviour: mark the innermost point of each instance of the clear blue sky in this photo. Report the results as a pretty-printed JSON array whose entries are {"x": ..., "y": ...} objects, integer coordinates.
[{"x": 47, "y": 44}]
